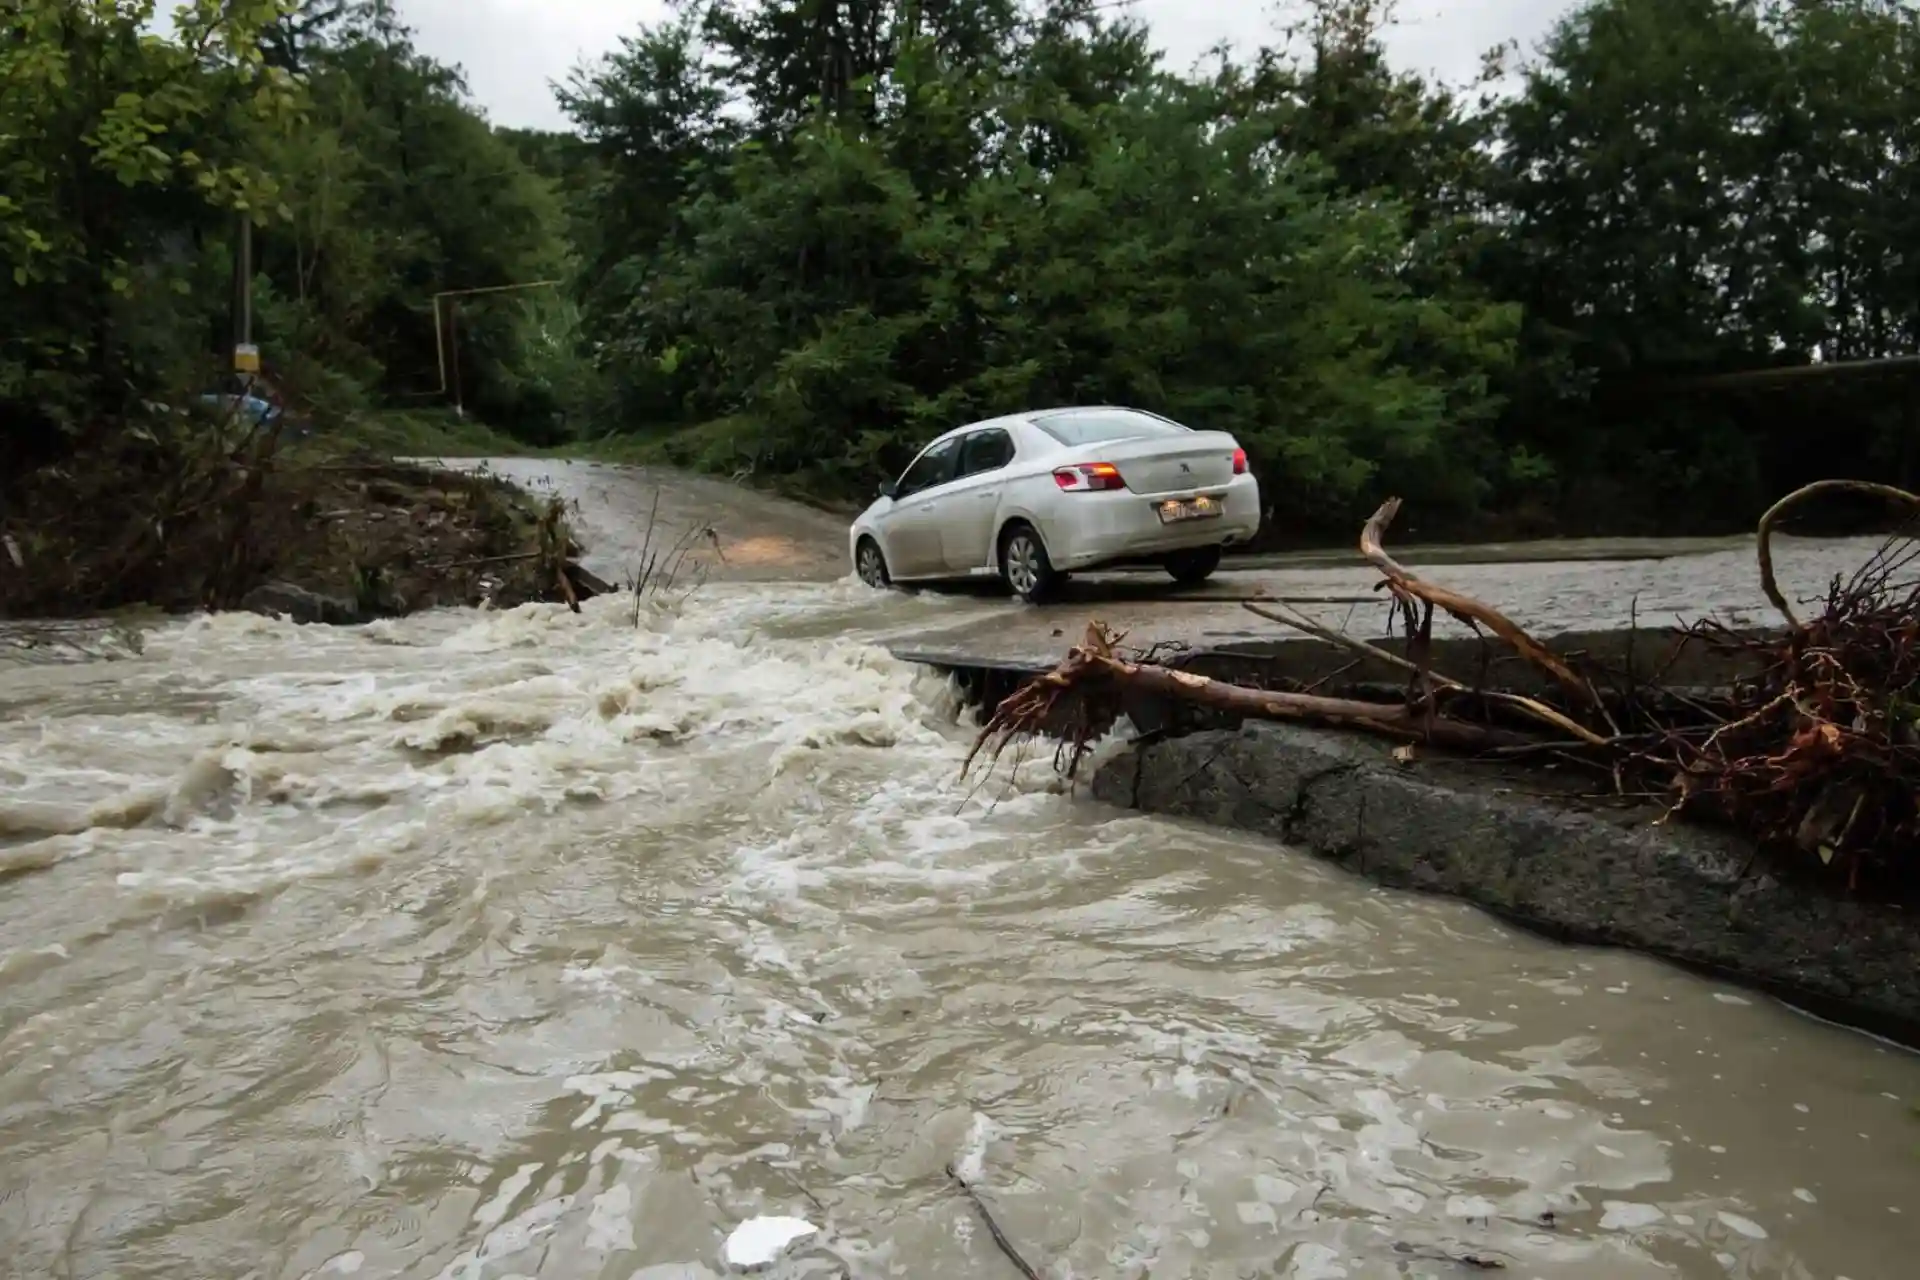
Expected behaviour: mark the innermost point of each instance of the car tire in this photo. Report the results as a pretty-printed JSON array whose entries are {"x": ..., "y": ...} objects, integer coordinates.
[
  {"x": 1024, "y": 564},
  {"x": 1191, "y": 568},
  {"x": 870, "y": 565}
]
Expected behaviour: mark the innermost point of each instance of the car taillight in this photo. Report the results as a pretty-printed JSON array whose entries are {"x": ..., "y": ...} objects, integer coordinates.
[
  {"x": 1239, "y": 462},
  {"x": 1088, "y": 477}
]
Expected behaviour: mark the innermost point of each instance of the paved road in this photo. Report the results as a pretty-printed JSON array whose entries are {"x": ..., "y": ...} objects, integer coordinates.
[
  {"x": 1550, "y": 586},
  {"x": 1547, "y": 596},
  {"x": 626, "y": 514}
]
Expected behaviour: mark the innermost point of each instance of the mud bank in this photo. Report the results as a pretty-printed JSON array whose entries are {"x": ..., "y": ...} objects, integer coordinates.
[
  {"x": 328, "y": 540},
  {"x": 1529, "y": 852},
  {"x": 352, "y": 541}
]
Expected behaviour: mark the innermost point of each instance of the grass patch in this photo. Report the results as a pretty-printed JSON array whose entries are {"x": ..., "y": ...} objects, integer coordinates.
[
  {"x": 407, "y": 433},
  {"x": 723, "y": 448},
  {"x": 626, "y": 450}
]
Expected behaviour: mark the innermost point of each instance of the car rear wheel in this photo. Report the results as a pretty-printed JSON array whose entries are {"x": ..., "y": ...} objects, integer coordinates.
[
  {"x": 1190, "y": 568},
  {"x": 871, "y": 565},
  {"x": 1024, "y": 565}
]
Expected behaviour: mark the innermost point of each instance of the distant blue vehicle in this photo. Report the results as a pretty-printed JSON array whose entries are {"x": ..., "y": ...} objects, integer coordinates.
[{"x": 252, "y": 408}]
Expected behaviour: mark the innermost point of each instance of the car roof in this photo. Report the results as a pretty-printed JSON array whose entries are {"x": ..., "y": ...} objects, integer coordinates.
[
  {"x": 1004, "y": 420},
  {"x": 1032, "y": 416}
]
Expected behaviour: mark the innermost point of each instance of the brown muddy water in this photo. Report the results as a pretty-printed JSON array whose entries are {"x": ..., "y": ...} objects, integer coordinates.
[{"x": 478, "y": 946}]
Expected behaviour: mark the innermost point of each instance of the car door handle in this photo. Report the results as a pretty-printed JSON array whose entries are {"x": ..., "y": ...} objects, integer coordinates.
[{"x": 926, "y": 506}]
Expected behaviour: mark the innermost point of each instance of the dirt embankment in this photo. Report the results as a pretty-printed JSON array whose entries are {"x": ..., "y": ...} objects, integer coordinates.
[
  {"x": 338, "y": 540},
  {"x": 378, "y": 538}
]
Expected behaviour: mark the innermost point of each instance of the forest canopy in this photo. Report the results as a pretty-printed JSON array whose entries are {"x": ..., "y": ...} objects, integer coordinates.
[{"x": 792, "y": 239}]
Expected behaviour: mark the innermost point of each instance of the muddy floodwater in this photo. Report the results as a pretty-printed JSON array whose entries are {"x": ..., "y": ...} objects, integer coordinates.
[{"x": 480, "y": 946}]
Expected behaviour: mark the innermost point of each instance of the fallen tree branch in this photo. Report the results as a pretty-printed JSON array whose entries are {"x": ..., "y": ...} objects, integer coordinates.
[
  {"x": 1408, "y": 588},
  {"x": 1241, "y": 597},
  {"x": 1093, "y": 671},
  {"x": 592, "y": 582},
  {"x": 1763, "y": 533},
  {"x": 480, "y": 560},
  {"x": 1538, "y": 710},
  {"x": 1811, "y": 750}
]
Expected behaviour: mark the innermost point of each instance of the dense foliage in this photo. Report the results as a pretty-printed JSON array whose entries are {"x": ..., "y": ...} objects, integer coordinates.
[
  {"x": 133, "y": 147},
  {"x": 824, "y": 230},
  {"x": 795, "y": 237}
]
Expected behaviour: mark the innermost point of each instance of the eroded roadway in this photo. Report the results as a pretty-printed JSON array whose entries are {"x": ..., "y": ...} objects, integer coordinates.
[{"x": 1549, "y": 586}]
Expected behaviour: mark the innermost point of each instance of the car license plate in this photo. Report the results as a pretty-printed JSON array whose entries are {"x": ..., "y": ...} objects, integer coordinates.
[{"x": 1200, "y": 508}]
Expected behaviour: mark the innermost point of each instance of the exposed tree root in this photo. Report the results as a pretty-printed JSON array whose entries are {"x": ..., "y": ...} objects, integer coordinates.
[
  {"x": 1763, "y": 539},
  {"x": 1821, "y": 755}
]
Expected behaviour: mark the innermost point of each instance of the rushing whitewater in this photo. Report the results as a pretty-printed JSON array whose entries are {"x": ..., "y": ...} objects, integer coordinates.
[{"x": 532, "y": 944}]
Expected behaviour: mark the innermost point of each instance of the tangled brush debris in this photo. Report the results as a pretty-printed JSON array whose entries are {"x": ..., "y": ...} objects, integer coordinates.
[
  {"x": 1822, "y": 753},
  {"x": 1816, "y": 757}
]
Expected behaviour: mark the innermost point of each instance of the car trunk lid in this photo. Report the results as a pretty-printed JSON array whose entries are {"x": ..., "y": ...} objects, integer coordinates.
[{"x": 1179, "y": 464}]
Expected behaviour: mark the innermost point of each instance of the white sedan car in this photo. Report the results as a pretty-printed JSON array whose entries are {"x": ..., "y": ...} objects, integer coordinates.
[{"x": 1034, "y": 496}]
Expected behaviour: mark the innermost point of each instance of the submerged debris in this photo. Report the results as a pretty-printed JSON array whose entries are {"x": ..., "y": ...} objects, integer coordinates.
[
  {"x": 1001, "y": 1241},
  {"x": 81, "y": 640}
]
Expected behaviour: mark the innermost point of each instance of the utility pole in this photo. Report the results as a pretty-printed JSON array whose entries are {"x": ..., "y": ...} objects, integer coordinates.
[
  {"x": 246, "y": 356},
  {"x": 453, "y": 350}
]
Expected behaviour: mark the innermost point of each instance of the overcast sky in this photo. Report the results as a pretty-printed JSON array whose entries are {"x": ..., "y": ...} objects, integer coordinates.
[{"x": 512, "y": 50}]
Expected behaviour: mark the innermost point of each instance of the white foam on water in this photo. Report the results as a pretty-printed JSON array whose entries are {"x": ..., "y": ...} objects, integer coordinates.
[
  {"x": 970, "y": 1164},
  {"x": 1627, "y": 1215},
  {"x": 462, "y": 719},
  {"x": 505, "y": 1244},
  {"x": 758, "y": 1242},
  {"x": 1744, "y": 1226},
  {"x": 610, "y": 1223}
]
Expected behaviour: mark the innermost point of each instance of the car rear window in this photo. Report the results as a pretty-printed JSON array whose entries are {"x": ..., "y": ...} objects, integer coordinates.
[{"x": 1093, "y": 426}]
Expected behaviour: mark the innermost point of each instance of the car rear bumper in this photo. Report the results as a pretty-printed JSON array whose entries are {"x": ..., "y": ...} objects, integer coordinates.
[{"x": 1092, "y": 529}]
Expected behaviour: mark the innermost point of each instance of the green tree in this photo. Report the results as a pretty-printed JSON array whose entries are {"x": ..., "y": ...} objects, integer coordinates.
[
  {"x": 121, "y": 153},
  {"x": 967, "y": 240},
  {"x": 1704, "y": 186},
  {"x": 398, "y": 191}
]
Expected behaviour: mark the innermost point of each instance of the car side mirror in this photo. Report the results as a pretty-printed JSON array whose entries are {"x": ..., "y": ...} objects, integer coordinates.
[{"x": 889, "y": 488}]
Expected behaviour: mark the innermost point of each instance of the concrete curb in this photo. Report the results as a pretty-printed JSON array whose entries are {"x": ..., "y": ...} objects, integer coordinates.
[{"x": 1682, "y": 893}]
